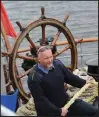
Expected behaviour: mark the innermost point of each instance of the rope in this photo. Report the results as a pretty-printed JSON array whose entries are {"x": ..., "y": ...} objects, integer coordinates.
[
  {"x": 27, "y": 109},
  {"x": 79, "y": 93}
]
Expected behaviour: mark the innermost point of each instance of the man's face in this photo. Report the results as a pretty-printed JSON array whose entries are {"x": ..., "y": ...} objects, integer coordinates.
[{"x": 46, "y": 58}]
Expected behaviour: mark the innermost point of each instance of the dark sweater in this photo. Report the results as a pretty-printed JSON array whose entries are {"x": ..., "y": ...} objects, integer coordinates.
[{"x": 48, "y": 89}]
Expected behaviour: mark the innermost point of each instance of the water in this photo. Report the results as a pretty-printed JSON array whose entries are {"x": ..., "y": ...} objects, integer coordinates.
[{"x": 82, "y": 22}]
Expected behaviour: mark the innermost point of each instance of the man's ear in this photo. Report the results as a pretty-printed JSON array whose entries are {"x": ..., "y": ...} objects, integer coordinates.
[{"x": 38, "y": 60}]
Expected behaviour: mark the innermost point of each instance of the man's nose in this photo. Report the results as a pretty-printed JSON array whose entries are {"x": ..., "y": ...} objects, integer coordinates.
[{"x": 50, "y": 59}]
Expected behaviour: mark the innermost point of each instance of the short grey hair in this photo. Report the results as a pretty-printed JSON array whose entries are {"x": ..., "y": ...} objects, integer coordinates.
[{"x": 43, "y": 48}]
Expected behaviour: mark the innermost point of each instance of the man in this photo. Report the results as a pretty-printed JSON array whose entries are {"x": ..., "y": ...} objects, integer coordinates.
[{"x": 46, "y": 83}]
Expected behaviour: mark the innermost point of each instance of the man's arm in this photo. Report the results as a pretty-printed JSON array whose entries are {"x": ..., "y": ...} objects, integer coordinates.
[
  {"x": 72, "y": 79},
  {"x": 42, "y": 104}
]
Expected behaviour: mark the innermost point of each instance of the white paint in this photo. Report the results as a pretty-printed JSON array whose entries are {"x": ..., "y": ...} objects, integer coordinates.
[{"x": 7, "y": 112}]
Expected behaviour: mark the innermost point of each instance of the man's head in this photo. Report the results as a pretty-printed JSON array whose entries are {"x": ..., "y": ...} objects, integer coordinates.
[{"x": 45, "y": 56}]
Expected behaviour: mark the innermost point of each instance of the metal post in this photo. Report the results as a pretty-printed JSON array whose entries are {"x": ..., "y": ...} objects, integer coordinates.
[
  {"x": 81, "y": 54},
  {"x": 3, "y": 88}
]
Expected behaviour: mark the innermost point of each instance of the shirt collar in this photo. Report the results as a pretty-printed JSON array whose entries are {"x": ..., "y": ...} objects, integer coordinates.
[{"x": 44, "y": 69}]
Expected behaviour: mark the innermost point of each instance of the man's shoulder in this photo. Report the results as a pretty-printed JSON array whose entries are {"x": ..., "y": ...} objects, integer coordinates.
[
  {"x": 57, "y": 62},
  {"x": 32, "y": 75},
  {"x": 35, "y": 75}
]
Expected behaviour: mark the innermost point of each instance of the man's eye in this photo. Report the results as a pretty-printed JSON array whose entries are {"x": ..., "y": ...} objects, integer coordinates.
[{"x": 46, "y": 58}]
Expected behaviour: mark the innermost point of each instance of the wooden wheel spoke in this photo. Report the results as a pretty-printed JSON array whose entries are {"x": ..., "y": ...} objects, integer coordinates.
[
  {"x": 62, "y": 50},
  {"x": 24, "y": 74},
  {"x": 55, "y": 38},
  {"x": 43, "y": 35},
  {"x": 65, "y": 19},
  {"x": 27, "y": 36},
  {"x": 26, "y": 57},
  {"x": 30, "y": 41},
  {"x": 17, "y": 73},
  {"x": 25, "y": 49},
  {"x": 9, "y": 83}
]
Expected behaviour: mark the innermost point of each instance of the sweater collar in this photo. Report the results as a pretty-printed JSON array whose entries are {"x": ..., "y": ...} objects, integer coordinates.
[{"x": 44, "y": 69}]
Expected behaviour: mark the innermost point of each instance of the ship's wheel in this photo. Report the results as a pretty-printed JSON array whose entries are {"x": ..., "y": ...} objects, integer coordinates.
[{"x": 41, "y": 24}]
